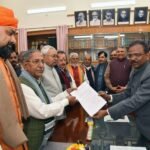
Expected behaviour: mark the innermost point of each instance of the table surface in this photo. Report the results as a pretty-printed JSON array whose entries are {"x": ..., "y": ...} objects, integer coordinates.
[
  {"x": 73, "y": 127},
  {"x": 106, "y": 134},
  {"x": 63, "y": 146},
  {"x": 57, "y": 146},
  {"x": 114, "y": 133}
]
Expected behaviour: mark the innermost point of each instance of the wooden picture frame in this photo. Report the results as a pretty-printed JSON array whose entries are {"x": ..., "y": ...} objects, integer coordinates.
[{"x": 80, "y": 18}]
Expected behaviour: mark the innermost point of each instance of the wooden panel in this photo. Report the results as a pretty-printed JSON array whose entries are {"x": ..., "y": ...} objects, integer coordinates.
[
  {"x": 41, "y": 32},
  {"x": 101, "y": 29},
  {"x": 110, "y": 29}
]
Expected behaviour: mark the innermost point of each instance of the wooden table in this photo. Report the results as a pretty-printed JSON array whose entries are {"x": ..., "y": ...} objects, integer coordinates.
[{"x": 73, "y": 127}]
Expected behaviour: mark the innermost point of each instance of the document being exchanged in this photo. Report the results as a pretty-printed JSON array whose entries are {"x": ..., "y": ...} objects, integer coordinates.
[{"x": 89, "y": 98}]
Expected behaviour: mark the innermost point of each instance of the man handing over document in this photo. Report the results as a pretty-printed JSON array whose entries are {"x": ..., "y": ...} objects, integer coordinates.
[{"x": 89, "y": 98}]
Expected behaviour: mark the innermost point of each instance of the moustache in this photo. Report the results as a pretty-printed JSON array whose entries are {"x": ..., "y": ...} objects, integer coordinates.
[{"x": 6, "y": 50}]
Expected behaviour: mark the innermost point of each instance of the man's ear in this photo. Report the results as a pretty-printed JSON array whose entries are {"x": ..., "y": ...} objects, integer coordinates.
[
  {"x": 25, "y": 64},
  {"x": 148, "y": 56}
]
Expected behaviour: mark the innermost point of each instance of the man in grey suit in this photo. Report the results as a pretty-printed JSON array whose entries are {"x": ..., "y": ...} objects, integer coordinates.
[{"x": 136, "y": 98}]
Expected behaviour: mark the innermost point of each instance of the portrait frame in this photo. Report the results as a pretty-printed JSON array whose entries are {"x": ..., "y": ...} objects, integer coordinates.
[
  {"x": 97, "y": 21},
  {"x": 110, "y": 21},
  {"x": 79, "y": 20},
  {"x": 140, "y": 11},
  {"x": 123, "y": 16}
]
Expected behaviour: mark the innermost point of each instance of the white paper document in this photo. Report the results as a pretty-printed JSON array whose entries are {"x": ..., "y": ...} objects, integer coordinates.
[
  {"x": 89, "y": 98},
  {"x": 109, "y": 119},
  {"x": 112, "y": 147}
]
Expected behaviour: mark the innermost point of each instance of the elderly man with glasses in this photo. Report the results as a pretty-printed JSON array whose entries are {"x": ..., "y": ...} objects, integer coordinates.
[
  {"x": 136, "y": 97},
  {"x": 42, "y": 108}
]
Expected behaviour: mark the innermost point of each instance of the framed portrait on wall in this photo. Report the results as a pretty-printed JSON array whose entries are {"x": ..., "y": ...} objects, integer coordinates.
[
  {"x": 94, "y": 17},
  {"x": 123, "y": 16},
  {"x": 80, "y": 18},
  {"x": 108, "y": 16},
  {"x": 140, "y": 15}
]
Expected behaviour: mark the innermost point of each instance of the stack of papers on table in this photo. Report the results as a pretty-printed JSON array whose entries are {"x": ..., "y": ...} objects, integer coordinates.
[
  {"x": 109, "y": 119},
  {"x": 89, "y": 98}
]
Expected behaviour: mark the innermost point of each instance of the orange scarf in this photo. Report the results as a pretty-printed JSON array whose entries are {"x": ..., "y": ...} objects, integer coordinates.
[{"x": 80, "y": 71}]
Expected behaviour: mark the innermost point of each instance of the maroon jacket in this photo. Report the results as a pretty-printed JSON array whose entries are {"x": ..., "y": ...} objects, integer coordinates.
[{"x": 119, "y": 72}]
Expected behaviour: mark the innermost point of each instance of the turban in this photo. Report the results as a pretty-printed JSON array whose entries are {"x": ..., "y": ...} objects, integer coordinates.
[{"x": 7, "y": 17}]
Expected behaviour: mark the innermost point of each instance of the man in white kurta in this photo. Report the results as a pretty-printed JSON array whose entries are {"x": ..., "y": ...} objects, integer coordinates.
[
  {"x": 50, "y": 77},
  {"x": 41, "y": 106}
]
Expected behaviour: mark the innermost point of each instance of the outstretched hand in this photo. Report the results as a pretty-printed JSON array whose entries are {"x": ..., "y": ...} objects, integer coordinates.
[
  {"x": 100, "y": 114},
  {"x": 72, "y": 100},
  {"x": 69, "y": 90},
  {"x": 104, "y": 95}
]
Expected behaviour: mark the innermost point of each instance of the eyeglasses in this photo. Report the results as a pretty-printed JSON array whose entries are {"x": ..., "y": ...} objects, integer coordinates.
[
  {"x": 137, "y": 55},
  {"x": 36, "y": 62}
]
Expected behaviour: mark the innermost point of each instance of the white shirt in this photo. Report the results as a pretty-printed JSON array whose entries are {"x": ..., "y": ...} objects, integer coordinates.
[
  {"x": 51, "y": 81},
  {"x": 80, "y": 24},
  {"x": 40, "y": 110},
  {"x": 95, "y": 22},
  {"x": 111, "y": 22}
]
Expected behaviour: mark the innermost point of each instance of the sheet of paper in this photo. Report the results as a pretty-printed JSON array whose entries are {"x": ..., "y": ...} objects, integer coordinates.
[
  {"x": 109, "y": 119},
  {"x": 112, "y": 147},
  {"x": 89, "y": 98}
]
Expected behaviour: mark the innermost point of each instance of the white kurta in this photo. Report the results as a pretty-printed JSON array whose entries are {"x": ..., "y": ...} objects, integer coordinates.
[
  {"x": 39, "y": 109},
  {"x": 51, "y": 81}
]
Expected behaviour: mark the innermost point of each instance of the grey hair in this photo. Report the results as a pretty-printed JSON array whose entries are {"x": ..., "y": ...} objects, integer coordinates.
[
  {"x": 26, "y": 56},
  {"x": 46, "y": 48},
  {"x": 73, "y": 54}
]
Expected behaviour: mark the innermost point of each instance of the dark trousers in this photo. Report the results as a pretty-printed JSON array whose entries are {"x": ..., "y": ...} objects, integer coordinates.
[{"x": 143, "y": 142}]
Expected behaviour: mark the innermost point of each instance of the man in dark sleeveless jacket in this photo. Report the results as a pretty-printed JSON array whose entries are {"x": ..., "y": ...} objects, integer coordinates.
[{"x": 117, "y": 72}]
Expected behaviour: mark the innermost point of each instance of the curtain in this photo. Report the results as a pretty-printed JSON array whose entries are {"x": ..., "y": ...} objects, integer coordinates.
[
  {"x": 62, "y": 38},
  {"x": 22, "y": 40}
]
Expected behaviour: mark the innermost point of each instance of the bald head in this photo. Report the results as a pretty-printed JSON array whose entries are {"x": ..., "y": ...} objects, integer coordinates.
[
  {"x": 87, "y": 60},
  {"x": 121, "y": 53}
]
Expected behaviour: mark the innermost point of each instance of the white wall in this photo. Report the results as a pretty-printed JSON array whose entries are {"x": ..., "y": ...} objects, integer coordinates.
[{"x": 53, "y": 19}]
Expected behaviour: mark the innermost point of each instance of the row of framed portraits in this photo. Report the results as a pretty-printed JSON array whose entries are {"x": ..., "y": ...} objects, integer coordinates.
[{"x": 108, "y": 17}]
